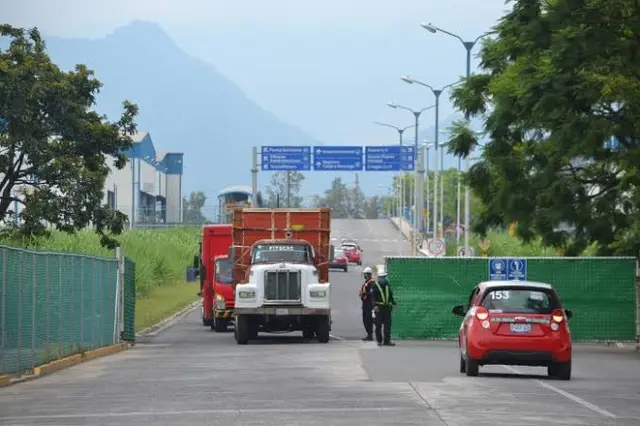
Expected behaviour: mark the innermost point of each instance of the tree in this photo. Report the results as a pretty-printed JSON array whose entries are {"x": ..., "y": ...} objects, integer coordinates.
[
  {"x": 193, "y": 208},
  {"x": 277, "y": 193},
  {"x": 336, "y": 198},
  {"x": 53, "y": 146},
  {"x": 560, "y": 79}
]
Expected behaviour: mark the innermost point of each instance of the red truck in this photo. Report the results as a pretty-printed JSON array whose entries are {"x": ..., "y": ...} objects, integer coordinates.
[{"x": 216, "y": 288}]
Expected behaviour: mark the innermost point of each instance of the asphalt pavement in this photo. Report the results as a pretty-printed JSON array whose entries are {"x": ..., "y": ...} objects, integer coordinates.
[{"x": 189, "y": 375}]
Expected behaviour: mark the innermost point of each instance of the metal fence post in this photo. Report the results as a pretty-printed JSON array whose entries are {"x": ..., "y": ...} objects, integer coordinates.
[
  {"x": 82, "y": 304},
  {"x": 637, "y": 305},
  {"x": 101, "y": 286},
  {"x": 34, "y": 305},
  {"x": 94, "y": 315},
  {"x": 60, "y": 347},
  {"x": 20, "y": 288},
  {"x": 3, "y": 312},
  {"x": 47, "y": 290},
  {"x": 116, "y": 314}
]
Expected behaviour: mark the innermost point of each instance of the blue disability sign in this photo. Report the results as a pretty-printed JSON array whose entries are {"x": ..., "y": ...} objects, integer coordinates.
[
  {"x": 337, "y": 158},
  {"x": 507, "y": 269},
  {"x": 285, "y": 158},
  {"x": 390, "y": 158}
]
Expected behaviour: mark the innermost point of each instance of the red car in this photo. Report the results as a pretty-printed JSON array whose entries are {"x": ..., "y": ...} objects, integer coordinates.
[
  {"x": 514, "y": 323},
  {"x": 352, "y": 251},
  {"x": 339, "y": 260}
]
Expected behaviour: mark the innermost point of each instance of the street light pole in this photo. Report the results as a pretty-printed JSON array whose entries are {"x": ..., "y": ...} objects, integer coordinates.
[
  {"x": 436, "y": 93},
  {"x": 468, "y": 45},
  {"x": 418, "y": 225},
  {"x": 401, "y": 188}
]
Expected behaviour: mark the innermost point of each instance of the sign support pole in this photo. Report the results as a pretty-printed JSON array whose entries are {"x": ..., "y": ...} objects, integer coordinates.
[{"x": 254, "y": 176}]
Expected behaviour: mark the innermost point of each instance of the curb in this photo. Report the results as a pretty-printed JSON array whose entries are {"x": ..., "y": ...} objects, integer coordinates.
[
  {"x": 168, "y": 322},
  {"x": 60, "y": 364}
]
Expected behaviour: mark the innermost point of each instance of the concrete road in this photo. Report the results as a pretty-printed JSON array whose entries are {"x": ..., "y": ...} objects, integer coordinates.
[
  {"x": 189, "y": 375},
  {"x": 378, "y": 238}
]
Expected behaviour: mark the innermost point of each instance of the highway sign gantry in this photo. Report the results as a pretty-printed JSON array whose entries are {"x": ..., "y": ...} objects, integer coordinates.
[
  {"x": 391, "y": 158},
  {"x": 337, "y": 158},
  {"x": 285, "y": 158}
]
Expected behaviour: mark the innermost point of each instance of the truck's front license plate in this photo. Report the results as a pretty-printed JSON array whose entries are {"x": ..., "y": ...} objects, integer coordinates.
[{"x": 282, "y": 311}]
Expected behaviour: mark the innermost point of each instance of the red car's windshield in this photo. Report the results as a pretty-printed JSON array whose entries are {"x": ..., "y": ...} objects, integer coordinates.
[{"x": 519, "y": 300}]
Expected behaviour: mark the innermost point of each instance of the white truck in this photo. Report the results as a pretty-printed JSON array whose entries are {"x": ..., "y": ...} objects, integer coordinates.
[{"x": 281, "y": 271}]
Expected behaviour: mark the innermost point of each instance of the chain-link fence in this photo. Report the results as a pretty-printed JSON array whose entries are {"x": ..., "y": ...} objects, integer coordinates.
[
  {"x": 54, "y": 305},
  {"x": 601, "y": 292}
]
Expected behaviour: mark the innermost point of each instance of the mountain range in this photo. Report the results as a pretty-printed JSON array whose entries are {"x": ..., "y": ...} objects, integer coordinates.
[{"x": 188, "y": 106}]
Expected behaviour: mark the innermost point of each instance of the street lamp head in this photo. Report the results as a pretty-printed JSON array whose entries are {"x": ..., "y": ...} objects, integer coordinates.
[
  {"x": 429, "y": 27},
  {"x": 407, "y": 79},
  {"x": 392, "y": 105}
]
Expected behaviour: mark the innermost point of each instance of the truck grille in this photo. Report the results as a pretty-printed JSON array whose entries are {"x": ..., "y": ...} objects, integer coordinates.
[{"x": 282, "y": 286}]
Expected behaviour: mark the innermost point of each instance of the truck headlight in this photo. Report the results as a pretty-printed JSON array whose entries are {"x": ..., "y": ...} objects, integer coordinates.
[
  {"x": 220, "y": 302},
  {"x": 318, "y": 293},
  {"x": 247, "y": 294}
]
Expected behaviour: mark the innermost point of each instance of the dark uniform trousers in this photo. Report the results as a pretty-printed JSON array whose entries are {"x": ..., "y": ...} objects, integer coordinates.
[
  {"x": 367, "y": 319},
  {"x": 383, "y": 319},
  {"x": 367, "y": 306}
]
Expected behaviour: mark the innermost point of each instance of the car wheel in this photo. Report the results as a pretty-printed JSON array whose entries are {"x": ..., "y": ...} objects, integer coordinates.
[
  {"x": 563, "y": 370},
  {"x": 346, "y": 269},
  {"x": 472, "y": 368},
  {"x": 463, "y": 365}
]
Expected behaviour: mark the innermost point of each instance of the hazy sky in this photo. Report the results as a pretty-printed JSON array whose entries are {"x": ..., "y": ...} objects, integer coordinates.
[{"x": 327, "y": 66}]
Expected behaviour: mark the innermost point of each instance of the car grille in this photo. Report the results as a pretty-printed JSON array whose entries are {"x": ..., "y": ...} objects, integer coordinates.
[{"x": 282, "y": 286}]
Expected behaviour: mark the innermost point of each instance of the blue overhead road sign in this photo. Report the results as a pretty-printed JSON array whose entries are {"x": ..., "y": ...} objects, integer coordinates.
[
  {"x": 505, "y": 269},
  {"x": 285, "y": 158},
  {"x": 337, "y": 158},
  {"x": 389, "y": 158}
]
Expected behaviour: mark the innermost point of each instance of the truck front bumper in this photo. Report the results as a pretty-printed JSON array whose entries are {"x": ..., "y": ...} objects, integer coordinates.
[{"x": 281, "y": 310}]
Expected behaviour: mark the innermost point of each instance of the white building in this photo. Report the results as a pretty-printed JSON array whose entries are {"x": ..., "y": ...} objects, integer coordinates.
[{"x": 149, "y": 188}]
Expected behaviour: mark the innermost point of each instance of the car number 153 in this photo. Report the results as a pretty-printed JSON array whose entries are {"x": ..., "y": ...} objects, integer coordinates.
[{"x": 497, "y": 295}]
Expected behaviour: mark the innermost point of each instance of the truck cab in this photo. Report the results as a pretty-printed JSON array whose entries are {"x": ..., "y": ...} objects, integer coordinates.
[
  {"x": 282, "y": 283},
  {"x": 215, "y": 241},
  {"x": 223, "y": 293}
]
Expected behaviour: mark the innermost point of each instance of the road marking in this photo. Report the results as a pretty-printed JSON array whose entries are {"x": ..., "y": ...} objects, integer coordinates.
[
  {"x": 567, "y": 395},
  {"x": 211, "y": 411},
  {"x": 336, "y": 337}
]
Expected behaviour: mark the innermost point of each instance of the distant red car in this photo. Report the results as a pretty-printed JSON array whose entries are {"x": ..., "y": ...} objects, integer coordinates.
[
  {"x": 352, "y": 251},
  {"x": 339, "y": 260},
  {"x": 514, "y": 323}
]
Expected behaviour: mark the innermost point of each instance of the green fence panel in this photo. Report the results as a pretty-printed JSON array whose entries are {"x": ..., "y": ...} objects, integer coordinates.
[
  {"x": 129, "y": 332},
  {"x": 53, "y": 305},
  {"x": 601, "y": 292}
]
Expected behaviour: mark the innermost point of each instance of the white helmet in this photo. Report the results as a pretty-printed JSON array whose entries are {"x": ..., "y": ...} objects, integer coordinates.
[
  {"x": 381, "y": 271},
  {"x": 367, "y": 270}
]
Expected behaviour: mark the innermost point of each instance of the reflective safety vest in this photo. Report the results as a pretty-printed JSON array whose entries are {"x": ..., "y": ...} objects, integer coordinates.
[
  {"x": 384, "y": 294},
  {"x": 364, "y": 290}
]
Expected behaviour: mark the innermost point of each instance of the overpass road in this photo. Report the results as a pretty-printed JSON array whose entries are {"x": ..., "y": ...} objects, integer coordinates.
[{"x": 188, "y": 375}]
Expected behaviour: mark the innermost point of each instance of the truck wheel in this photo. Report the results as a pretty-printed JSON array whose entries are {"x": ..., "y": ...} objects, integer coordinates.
[
  {"x": 307, "y": 333},
  {"x": 219, "y": 325},
  {"x": 324, "y": 329},
  {"x": 242, "y": 330}
]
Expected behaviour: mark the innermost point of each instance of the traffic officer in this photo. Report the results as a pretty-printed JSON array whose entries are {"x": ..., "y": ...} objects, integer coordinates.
[
  {"x": 367, "y": 306},
  {"x": 383, "y": 302}
]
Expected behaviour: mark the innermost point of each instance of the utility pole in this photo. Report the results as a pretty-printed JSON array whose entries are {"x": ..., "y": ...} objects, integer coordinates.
[{"x": 288, "y": 190}]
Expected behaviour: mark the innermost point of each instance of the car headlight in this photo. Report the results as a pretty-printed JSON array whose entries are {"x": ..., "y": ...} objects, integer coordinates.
[
  {"x": 247, "y": 294},
  {"x": 318, "y": 293}
]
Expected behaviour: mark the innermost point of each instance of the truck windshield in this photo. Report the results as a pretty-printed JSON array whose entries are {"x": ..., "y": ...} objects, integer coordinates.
[
  {"x": 270, "y": 253},
  {"x": 224, "y": 269}
]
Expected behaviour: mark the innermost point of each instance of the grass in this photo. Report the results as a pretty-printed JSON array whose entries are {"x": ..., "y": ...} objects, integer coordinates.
[
  {"x": 164, "y": 302},
  {"x": 161, "y": 255}
]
